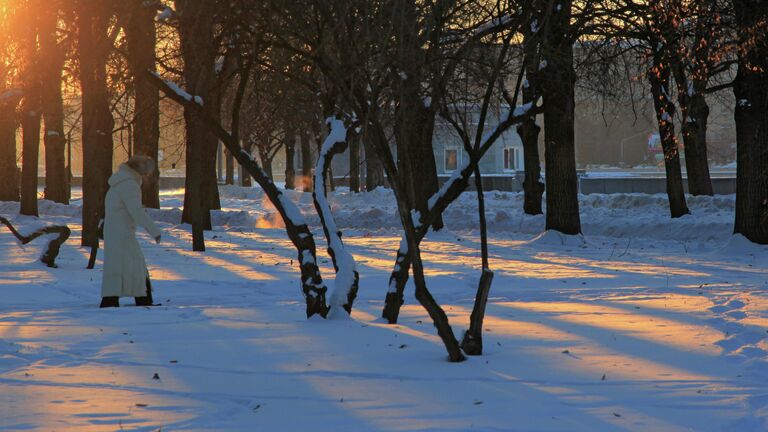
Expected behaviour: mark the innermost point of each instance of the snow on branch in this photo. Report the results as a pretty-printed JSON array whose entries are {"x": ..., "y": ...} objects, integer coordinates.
[
  {"x": 346, "y": 283},
  {"x": 11, "y": 94},
  {"x": 180, "y": 92},
  {"x": 460, "y": 177},
  {"x": 166, "y": 14}
]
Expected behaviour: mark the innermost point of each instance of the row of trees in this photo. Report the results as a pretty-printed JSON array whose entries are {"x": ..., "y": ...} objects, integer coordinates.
[{"x": 378, "y": 75}]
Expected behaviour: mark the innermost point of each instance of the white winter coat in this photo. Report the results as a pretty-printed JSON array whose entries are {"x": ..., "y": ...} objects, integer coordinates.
[{"x": 125, "y": 271}]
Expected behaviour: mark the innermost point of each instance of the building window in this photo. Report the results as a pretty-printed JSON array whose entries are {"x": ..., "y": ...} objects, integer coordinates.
[
  {"x": 511, "y": 155},
  {"x": 451, "y": 159}
]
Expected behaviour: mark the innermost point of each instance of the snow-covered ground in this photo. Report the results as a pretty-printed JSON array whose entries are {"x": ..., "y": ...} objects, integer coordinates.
[{"x": 651, "y": 324}]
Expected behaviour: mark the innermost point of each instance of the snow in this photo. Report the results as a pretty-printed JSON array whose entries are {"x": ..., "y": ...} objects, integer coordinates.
[
  {"x": 165, "y": 14},
  {"x": 11, "y": 93},
  {"x": 179, "y": 91},
  {"x": 648, "y": 324}
]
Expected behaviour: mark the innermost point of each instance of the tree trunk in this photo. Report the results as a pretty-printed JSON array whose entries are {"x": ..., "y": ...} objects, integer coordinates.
[
  {"x": 354, "y": 163},
  {"x": 347, "y": 278},
  {"x": 197, "y": 49},
  {"x": 416, "y": 160},
  {"x": 374, "y": 170},
  {"x": 306, "y": 163},
  {"x": 30, "y": 125},
  {"x": 56, "y": 179},
  {"x": 141, "y": 38},
  {"x": 695, "y": 113},
  {"x": 414, "y": 120},
  {"x": 266, "y": 164},
  {"x": 230, "y": 168},
  {"x": 751, "y": 115},
  {"x": 94, "y": 49},
  {"x": 9, "y": 181},
  {"x": 290, "y": 156},
  {"x": 30, "y": 114},
  {"x": 659, "y": 77},
  {"x": 558, "y": 81},
  {"x": 472, "y": 342},
  {"x": 694, "y": 130},
  {"x": 528, "y": 130}
]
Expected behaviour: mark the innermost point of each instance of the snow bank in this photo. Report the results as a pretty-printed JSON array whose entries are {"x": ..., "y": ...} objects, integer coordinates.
[{"x": 616, "y": 215}]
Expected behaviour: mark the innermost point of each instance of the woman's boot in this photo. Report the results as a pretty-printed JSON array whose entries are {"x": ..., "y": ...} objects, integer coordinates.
[
  {"x": 147, "y": 299},
  {"x": 110, "y": 302}
]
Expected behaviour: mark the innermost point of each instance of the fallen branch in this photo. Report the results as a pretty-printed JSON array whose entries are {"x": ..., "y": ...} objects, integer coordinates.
[{"x": 52, "y": 250}]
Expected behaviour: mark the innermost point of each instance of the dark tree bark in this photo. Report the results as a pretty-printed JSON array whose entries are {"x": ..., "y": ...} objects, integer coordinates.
[
  {"x": 290, "y": 156},
  {"x": 141, "y": 38},
  {"x": 9, "y": 181},
  {"x": 354, "y": 162},
  {"x": 196, "y": 21},
  {"x": 306, "y": 163},
  {"x": 229, "y": 167},
  {"x": 751, "y": 115},
  {"x": 472, "y": 342},
  {"x": 94, "y": 48},
  {"x": 695, "y": 113},
  {"x": 414, "y": 121},
  {"x": 374, "y": 170},
  {"x": 30, "y": 114},
  {"x": 558, "y": 80},
  {"x": 30, "y": 125},
  {"x": 528, "y": 130},
  {"x": 659, "y": 77},
  {"x": 48, "y": 257},
  {"x": 57, "y": 183},
  {"x": 694, "y": 128}
]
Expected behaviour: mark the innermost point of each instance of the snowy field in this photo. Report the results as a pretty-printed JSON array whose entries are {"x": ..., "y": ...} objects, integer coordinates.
[{"x": 651, "y": 324}]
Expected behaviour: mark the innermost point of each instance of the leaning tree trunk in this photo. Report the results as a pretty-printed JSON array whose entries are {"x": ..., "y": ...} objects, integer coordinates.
[
  {"x": 295, "y": 225},
  {"x": 56, "y": 179},
  {"x": 94, "y": 49},
  {"x": 347, "y": 277},
  {"x": 472, "y": 342},
  {"x": 410, "y": 246},
  {"x": 751, "y": 115},
  {"x": 141, "y": 38},
  {"x": 558, "y": 80},
  {"x": 659, "y": 77},
  {"x": 9, "y": 181}
]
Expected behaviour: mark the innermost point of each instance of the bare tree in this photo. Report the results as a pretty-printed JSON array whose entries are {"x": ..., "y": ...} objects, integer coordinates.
[
  {"x": 31, "y": 109},
  {"x": 141, "y": 38},
  {"x": 94, "y": 46},
  {"x": 751, "y": 116},
  {"x": 53, "y": 48}
]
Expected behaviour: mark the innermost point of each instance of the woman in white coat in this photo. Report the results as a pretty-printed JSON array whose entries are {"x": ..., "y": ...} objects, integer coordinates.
[{"x": 125, "y": 271}]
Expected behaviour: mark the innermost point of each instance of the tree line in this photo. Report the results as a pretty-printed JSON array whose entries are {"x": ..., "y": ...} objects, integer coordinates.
[{"x": 375, "y": 77}]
